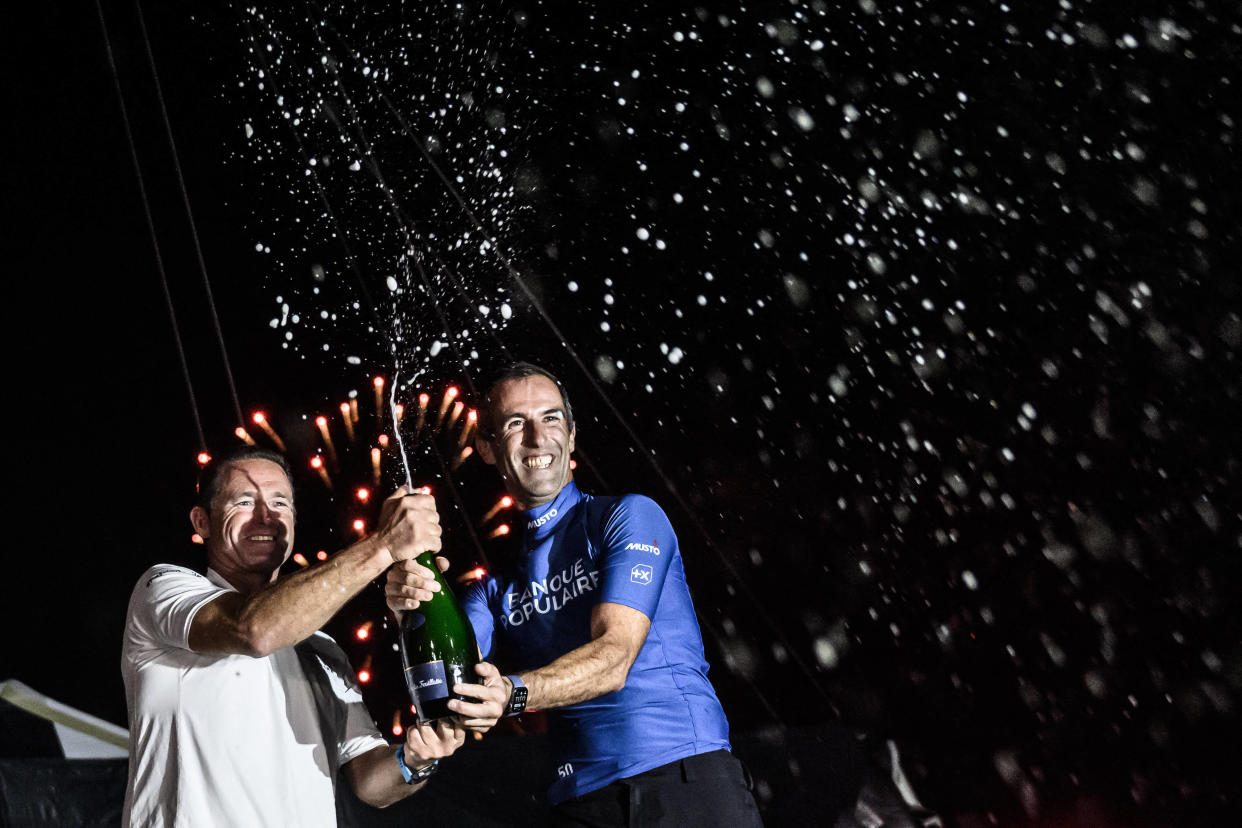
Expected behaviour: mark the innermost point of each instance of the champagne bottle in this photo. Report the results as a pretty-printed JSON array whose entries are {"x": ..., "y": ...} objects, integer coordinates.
[{"x": 438, "y": 650}]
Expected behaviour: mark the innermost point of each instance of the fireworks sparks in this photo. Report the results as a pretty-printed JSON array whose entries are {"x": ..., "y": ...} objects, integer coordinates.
[
  {"x": 317, "y": 464},
  {"x": 347, "y": 417},
  {"x": 260, "y": 419}
]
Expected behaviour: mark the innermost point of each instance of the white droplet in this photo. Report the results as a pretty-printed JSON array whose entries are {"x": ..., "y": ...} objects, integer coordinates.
[
  {"x": 802, "y": 118},
  {"x": 826, "y": 654}
]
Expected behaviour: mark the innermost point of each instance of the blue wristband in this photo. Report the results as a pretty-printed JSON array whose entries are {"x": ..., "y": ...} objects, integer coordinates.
[{"x": 419, "y": 775}]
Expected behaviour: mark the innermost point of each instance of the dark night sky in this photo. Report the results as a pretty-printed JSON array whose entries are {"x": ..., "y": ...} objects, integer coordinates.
[
  {"x": 104, "y": 431},
  {"x": 931, "y": 313}
]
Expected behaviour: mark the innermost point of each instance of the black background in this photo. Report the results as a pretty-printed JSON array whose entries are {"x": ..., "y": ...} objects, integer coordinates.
[{"x": 1073, "y": 647}]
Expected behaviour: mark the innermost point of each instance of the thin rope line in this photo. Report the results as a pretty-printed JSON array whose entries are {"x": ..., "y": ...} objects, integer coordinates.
[
  {"x": 185, "y": 197},
  {"x": 155, "y": 244}
]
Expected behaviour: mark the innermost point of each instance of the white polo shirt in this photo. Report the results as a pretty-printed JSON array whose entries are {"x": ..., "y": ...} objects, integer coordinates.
[{"x": 227, "y": 740}]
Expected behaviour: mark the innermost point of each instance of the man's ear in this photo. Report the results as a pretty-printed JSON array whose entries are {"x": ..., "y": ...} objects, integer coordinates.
[
  {"x": 484, "y": 447},
  {"x": 201, "y": 522},
  {"x": 573, "y": 432}
]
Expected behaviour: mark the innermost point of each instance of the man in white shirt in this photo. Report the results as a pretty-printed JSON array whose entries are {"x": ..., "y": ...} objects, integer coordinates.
[{"x": 240, "y": 712}]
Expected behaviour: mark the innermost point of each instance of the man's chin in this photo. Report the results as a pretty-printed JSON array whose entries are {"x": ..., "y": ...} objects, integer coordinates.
[
  {"x": 274, "y": 554},
  {"x": 538, "y": 495}
]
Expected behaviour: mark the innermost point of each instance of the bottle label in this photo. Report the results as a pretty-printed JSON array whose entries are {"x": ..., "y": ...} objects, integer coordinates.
[{"x": 427, "y": 681}]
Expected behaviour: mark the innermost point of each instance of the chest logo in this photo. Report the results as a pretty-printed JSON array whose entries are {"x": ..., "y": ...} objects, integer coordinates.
[
  {"x": 550, "y": 594},
  {"x": 641, "y": 574}
]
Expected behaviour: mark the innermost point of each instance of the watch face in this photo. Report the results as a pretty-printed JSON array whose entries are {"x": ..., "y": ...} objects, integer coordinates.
[{"x": 517, "y": 702}]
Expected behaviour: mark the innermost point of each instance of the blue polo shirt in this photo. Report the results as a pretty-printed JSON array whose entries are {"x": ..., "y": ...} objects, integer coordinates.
[{"x": 578, "y": 551}]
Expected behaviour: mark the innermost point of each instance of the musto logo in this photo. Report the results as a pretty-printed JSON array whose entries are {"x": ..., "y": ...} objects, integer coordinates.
[
  {"x": 549, "y": 594},
  {"x": 641, "y": 574},
  {"x": 644, "y": 547},
  {"x": 541, "y": 520}
]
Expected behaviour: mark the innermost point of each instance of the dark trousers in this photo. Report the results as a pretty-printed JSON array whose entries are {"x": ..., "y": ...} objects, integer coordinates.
[{"x": 707, "y": 790}]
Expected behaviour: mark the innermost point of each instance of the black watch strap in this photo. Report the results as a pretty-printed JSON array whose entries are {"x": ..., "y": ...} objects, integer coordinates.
[{"x": 517, "y": 699}]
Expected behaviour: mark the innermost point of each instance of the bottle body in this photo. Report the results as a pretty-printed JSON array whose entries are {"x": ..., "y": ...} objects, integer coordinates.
[{"x": 438, "y": 650}]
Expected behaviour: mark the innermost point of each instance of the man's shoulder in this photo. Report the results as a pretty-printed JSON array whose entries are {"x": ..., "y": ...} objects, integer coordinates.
[
  {"x": 162, "y": 605},
  {"x": 163, "y": 570},
  {"x": 631, "y": 504},
  {"x": 160, "y": 577}
]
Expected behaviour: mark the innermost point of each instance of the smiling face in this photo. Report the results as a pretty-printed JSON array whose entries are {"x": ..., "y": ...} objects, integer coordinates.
[
  {"x": 249, "y": 530},
  {"x": 532, "y": 441}
]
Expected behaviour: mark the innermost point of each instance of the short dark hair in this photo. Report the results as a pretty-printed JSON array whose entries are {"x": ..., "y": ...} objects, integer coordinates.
[
  {"x": 209, "y": 478},
  {"x": 519, "y": 371}
]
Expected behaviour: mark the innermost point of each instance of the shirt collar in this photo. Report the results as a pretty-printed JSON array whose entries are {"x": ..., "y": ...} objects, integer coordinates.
[{"x": 542, "y": 520}]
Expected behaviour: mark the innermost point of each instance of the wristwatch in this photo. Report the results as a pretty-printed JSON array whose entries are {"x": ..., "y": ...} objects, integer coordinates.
[
  {"x": 413, "y": 777},
  {"x": 517, "y": 699}
]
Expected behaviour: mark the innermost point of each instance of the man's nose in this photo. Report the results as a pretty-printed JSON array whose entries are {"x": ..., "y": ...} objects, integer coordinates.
[{"x": 532, "y": 434}]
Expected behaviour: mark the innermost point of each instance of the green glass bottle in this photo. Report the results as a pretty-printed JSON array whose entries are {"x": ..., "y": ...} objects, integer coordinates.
[{"x": 438, "y": 650}]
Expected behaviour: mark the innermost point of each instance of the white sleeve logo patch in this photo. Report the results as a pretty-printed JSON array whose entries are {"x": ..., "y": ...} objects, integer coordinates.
[{"x": 641, "y": 574}]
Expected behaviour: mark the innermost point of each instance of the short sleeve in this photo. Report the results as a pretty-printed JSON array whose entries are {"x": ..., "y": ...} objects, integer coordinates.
[
  {"x": 638, "y": 545},
  {"x": 359, "y": 734},
  {"x": 163, "y": 605},
  {"x": 479, "y": 612}
]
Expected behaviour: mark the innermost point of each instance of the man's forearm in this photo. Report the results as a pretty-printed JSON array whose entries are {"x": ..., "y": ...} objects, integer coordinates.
[
  {"x": 292, "y": 608},
  {"x": 598, "y": 667},
  {"x": 377, "y": 780}
]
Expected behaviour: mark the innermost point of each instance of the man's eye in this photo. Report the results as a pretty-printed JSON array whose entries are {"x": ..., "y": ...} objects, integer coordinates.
[
  {"x": 512, "y": 424},
  {"x": 245, "y": 502}
]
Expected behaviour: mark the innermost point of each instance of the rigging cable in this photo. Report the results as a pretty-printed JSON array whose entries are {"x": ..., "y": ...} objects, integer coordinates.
[
  {"x": 185, "y": 197},
  {"x": 155, "y": 244}
]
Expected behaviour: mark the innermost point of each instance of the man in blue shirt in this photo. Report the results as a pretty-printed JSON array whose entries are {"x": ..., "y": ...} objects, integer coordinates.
[{"x": 596, "y": 620}]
